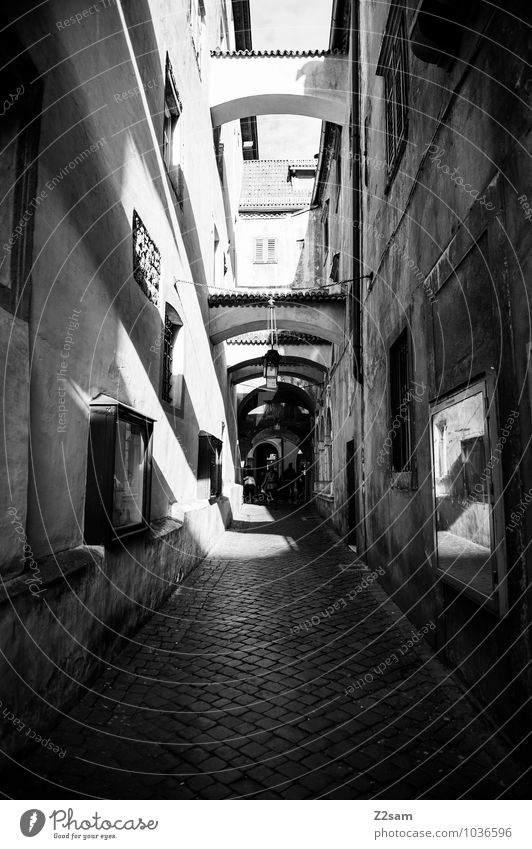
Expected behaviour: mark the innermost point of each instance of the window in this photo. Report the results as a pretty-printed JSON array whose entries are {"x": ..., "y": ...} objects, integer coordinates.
[
  {"x": 209, "y": 466},
  {"x": 21, "y": 198},
  {"x": 117, "y": 501},
  {"x": 219, "y": 152},
  {"x": 338, "y": 177},
  {"x": 171, "y": 389},
  {"x": 146, "y": 261},
  {"x": 393, "y": 67},
  {"x": 335, "y": 268},
  {"x": 400, "y": 400},
  {"x": 325, "y": 222},
  {"x": 172, "y": 131},
  {"x": 468, "y": 537},
  {"x": 196, "y": 23},
  {"x": 265, "y": 250}
]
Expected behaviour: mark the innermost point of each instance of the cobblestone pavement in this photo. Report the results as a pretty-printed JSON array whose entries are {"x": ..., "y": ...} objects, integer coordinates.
[{"x": 220, "y": 695}]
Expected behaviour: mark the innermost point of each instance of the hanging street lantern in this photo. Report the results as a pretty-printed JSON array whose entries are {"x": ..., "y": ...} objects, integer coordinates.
[
  {"x": 271, "y": 368},
  {"x": 272, "y": 358}
]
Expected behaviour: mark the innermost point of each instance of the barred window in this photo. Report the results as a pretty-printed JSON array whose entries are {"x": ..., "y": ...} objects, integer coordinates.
[
  {"x": 172, "y": 126},
  {"x": 146, "y": 261},
  {"x": 393, "y": 66},
  {"x": 196, "y": 22},
  {"x": 170, "y": 365},
  {"x": 265, "y": 250}
]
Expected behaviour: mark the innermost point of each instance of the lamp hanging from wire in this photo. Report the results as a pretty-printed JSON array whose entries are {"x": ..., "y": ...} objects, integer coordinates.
[{"x": 271, "y": 358}]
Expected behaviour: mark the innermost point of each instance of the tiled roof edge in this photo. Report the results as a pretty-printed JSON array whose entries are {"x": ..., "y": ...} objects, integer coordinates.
[
  {"x": 259, "y": 298},
  {"x": 303, "y": 54}
]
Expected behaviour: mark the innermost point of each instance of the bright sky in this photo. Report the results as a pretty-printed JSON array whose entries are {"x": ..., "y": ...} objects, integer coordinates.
[{"x": 289, "y": 25}]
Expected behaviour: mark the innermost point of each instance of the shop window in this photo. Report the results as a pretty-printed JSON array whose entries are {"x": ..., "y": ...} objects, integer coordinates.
[
  {"x": 465, "y": 477},
  {"x": 210, "y": 481},
  {"x": 172, "y": 132},
  {"x": 117, "y": 502},
  {"x": 393, "y": 67},
  {"x": 265, "y": 251},
  {"x": 146, "y": 261},
  {"x": 400, "y": 406},
  {"x": 172, "y": 367}
]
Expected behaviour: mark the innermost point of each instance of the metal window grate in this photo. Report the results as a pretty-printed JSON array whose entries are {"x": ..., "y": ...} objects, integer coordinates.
[
  {"x": 396, "y": 93},
  {"x": 168, "y": 344},
  {"x": 146, "y": 261}
]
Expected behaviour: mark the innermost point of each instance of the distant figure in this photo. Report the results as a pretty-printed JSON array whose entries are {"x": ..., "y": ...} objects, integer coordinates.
[
  {"x": 250, "y": 486},
  {"x": 290, "y": 475},
  {"x": 269, "y": 484}
]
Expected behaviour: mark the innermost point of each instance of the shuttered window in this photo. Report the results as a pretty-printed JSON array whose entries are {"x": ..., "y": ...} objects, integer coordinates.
[{"x": 265, "y": 250}]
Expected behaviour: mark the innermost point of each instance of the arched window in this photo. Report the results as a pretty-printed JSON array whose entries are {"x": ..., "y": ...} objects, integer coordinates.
[{"x": 172, "y": 366}]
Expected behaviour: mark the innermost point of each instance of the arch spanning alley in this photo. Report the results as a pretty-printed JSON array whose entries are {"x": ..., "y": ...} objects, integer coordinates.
[
  {"x": 291, "y": 366},
  {"x": 286, "y": 392},
  {"x": 309, "y": 83},
  {"x": 319, "y": 315}
]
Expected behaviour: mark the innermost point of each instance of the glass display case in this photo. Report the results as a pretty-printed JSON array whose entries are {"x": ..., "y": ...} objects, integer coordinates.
[
  {"x": 468, "y": 541},
  {"x": 118, "y": 472}
]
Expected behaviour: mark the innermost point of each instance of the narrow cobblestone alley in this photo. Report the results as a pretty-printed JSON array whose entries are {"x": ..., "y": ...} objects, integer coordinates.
[{"x": 220, "y": 695}]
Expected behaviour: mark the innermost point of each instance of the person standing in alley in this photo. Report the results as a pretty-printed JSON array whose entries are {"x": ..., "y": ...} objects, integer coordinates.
[
  {"x": 249, "y": 486},
  {"x": 269, "y": 484}
]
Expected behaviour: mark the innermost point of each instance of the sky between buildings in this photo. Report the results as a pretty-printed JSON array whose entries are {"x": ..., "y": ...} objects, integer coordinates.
[{"x": 289, "y": 25}]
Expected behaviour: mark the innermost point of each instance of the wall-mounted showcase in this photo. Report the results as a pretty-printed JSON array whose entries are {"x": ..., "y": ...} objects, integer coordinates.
[
  {"x": 119, "y": 470},
  {"x": 468, "y": 512}
]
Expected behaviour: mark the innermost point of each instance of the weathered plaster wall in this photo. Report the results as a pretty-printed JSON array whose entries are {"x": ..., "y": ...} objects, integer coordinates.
[
  {"x": 14, "y": 440},
  {"x": 83, "y": 256},
  {"x": 99, "y": 160},
  {"x": 89, "y": 605},
  {"x": 463, "y": 325}
]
